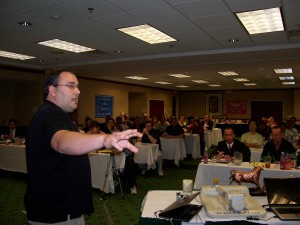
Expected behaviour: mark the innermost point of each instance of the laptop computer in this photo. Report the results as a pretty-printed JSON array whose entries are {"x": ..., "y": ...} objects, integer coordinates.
[
  {"x": 284, "y": 197},
  {"x": 181, "y": 209}
]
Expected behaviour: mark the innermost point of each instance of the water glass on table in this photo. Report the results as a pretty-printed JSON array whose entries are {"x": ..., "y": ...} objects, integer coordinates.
[
  {"x": 238, "y": 158},
  {"x": 268, "y": 160}
]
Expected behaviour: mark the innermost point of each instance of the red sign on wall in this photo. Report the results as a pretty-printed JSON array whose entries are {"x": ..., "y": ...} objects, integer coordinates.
[{"x": 237, "y": 107}]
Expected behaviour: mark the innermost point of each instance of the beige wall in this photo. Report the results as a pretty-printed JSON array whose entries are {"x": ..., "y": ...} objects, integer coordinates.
[
  {"x": 90, "y": 88},
  {"x": 21, "y": 95},
  {"x": 193, "y": 103}
]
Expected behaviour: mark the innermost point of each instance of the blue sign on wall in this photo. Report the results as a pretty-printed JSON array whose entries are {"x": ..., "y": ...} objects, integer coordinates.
[{"x": 104, "y": 105}]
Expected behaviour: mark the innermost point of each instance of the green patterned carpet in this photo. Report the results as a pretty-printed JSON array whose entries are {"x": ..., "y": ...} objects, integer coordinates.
[{"x": 112, "y": 210}]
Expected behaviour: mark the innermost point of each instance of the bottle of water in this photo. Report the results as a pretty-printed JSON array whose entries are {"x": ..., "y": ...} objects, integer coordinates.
[{"x": 205, "y": 156}]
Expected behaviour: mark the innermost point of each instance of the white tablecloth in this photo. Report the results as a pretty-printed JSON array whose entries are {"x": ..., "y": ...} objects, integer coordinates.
[
  {"x": 13, "y": 158},
  {"x": 158, "y": 200},
  {"x": 207, "y": 172},
  {"x": 147, "y": 154},
  {"x": 192, "y": 145},
  {"x": 102, "y": 164},
  {"x": 173, "y": 149},
  {"x": 212, "y": 137}
]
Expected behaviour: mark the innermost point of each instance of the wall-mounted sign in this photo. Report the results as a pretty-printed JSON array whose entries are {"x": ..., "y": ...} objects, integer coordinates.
[
  {"x": 104, "y": 105},
  {"x": 237, "y": 107}
]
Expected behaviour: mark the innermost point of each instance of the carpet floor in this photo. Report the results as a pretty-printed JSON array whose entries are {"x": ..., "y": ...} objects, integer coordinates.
[{"x": 109, "y": 209}]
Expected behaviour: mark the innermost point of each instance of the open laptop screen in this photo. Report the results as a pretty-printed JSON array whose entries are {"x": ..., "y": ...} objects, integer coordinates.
[{"x": 283, "y": 191}]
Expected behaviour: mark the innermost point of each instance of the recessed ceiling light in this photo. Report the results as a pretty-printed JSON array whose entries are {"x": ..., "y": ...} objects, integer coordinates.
[
  {"x": 233, "y": 40},
  {"x": 241, "y": 79},
  {"x": 15, "y": 55},
  {"x": 250, "y": 84},
  {"x": 228, "y": 73},
  {"x": 147, "y": 33},
  {"x": 56, "y": 17},
  {"x": 119, "y": 51},
  {"x": 137, "y": 78},
  {"x": 162, "y": 82},
  {"x": 64, "y": 45},
  {"x": 25, "y": 24},
  {"x": 179, "y": 75},
  {"x": 287, "y": 83},
  {"x": 262, "y": 21},
  {"x": 287, "y": 78},
  {"x": 200, "y": 81},
  {"x": 182, "y": 86},
  {"x": 286, "y": 70},
  {"x": 214, "y": 85}
]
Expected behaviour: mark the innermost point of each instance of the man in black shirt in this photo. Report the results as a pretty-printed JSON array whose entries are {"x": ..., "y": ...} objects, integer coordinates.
[
  {"x": 277, "y": 145},
  {"x": 59, "y": 174},
  {"x": 174, "y": 130}
]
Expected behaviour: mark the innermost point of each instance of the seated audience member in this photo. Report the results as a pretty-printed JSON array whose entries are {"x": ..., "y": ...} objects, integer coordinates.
[
  {"x": 290, "y": 132},
  {"x": 277, "y": 145},
  {"x": 253, "y": 139},
  {"x": 151, "y": 135},
  {"x": 264, "y": 130},
  {"x": 144, "y": 118},
  {"x": 182, "y": 122},
  {"x": 127, "y": 121},
  {"x": 212, "y": 121},
  {"x": 119, "y": 123},
  {"x": 174, "y": 130},
  {"x": 75, "y": 123},
  {"x": 111, "y": 126},
  {"x": 95, "y": 128},
  {"x": 225, "y": 119},
  {"x": 225, "y": 149},
  {"x": 197, "y": 128},
  {"x": 136, "y": 123},
  {"x": 271, "y": 122},
  {"x": 155, "y": 121},
  {"x": 88, "y": 121},
  {"x": 12, "y": 131},
  {"x": 162, "y": 125},
  {"x": 207, "y": 123}
]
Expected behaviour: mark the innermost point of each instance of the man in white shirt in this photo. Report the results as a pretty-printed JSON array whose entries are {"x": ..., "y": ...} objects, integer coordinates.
[{"x": 253, "y": 139}]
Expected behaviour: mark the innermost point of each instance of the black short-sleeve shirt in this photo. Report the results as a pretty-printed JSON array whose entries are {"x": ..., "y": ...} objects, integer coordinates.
[
  {"x": 58, "y": 184},
  {"x": 174, "y": 131}
]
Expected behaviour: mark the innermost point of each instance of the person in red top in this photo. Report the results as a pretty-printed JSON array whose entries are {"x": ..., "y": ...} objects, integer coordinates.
[{"x": 197, "y": 128}]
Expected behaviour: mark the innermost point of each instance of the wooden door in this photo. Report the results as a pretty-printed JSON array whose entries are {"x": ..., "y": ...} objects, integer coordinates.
[{"x": 156, "y": 108}]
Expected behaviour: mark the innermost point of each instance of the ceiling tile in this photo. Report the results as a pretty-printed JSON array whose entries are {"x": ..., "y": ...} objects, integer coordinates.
[
  {"x": 224, "y": 20},
  {"x": 119, "y": 20},
  {"x": 135, "y": 5},
  {"x": 22, "y": 6}
]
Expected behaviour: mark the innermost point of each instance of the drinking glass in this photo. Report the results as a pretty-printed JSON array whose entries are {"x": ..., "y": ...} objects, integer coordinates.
[
  {"x": 238, "y": 158},
  {"x": 187, "y": 186},
  {"x": 267, "y": 161}
]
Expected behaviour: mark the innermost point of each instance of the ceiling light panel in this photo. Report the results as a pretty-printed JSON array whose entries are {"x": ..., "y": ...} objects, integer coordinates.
[
  {"x": 15, "y": 55},
  {"x": 262, "y": 21},
  {"x": 250, "y": 84},
  {"x": 286, "y": 70},
  {"x": 200, "y": 81},
  {"x": 288, "y": 83},
  {"x": 214, "y": 85},
  {"x": 228, "y": 73},
  {"x": 137, "y": 78},
  {"x": 162, "y": 82},
  {"x": 287, "y": 78},
  {"x": 182, "y": 86},
  {"x": 64, "y": 45},
  {"x": 241, "y": 79},
  {"x": 179, "y": 75},
  {"x": 147, "y": 33}
]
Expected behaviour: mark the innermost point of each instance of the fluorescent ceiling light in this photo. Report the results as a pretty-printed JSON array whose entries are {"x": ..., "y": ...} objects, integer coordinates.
[
  {"x": 214, "y": 85},
  {"x": 200, "y": 81},
  {"x": 241, "y": 79},
  {"x": 179, "y": 75},
  {"x": 64, "y": 45},
  {"x": 287, "y": 70},
  {"x": 262, "y": 21},
  {"x": 228, "y": 73},
  {"x": 250, "y": 84},
  {"x": 182, "y": 86},
  {"x": 15, "y": 55},
  {"x": 287, "y": 78},
  {"x": 162, "y": 82},
  {"x": 287, "y": 83},
  {"x": 137, "y": 78},
  {"x": 147, "y": 33}
]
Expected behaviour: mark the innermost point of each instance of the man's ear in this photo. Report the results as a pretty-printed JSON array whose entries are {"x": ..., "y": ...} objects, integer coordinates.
[{"x": 52, "y": 90}]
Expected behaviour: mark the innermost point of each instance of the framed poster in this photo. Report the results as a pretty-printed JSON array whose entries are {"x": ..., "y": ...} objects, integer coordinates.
[
  {"x": 214, "y": 104},
  {"x": 104, "y": 105},
  {"x": 237, "y": 107}
]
